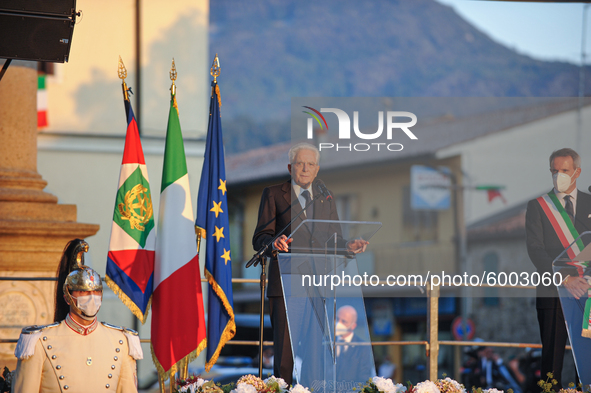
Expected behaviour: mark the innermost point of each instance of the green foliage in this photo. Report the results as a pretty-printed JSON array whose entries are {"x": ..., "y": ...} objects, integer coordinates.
[
  {"x": 227, "y": 388},
  {"x": 548, "y": 385}
]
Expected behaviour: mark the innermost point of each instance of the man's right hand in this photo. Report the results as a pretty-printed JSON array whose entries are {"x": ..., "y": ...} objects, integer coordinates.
[
  {"x": 282, "y": 243},
  {"x": 577, "y": 286}
]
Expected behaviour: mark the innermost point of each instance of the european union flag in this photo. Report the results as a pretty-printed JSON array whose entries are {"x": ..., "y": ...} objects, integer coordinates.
[{"x": 212, "y": 215}]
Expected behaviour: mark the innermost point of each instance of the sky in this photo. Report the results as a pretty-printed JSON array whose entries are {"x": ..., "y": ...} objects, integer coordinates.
[{"x": 542, "y": 31}]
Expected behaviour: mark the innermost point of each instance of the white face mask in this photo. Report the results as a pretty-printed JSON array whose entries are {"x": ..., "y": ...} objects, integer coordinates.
[
  {"x": 562, "y": 181},
  {"x": 341, "y": 329},
  {"x": 89, "y": 305}
]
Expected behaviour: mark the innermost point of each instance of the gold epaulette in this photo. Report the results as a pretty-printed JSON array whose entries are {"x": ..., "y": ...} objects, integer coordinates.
[
  {"x": 123, "y": 329},
  {"x": 38, "y": 328},
  {"x": 133, "y": 340}
]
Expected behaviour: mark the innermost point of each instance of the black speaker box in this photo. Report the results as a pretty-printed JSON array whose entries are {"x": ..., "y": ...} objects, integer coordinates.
[
  {"x": 36, "y": 30},
  {"x": 63, "y": 8}
]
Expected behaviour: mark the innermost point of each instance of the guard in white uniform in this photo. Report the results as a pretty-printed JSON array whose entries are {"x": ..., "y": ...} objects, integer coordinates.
[{"x": 78, "y": 354}]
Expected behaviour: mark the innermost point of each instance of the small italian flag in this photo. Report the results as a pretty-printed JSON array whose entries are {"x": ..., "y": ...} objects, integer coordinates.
[{"x": 41, "y": 102}]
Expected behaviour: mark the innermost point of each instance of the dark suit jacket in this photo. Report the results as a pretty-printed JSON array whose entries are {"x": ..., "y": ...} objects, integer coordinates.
[
  {"x": 543, "y": 245},
  {"x": 275, "y": 212},
  {"x": 356, "y": 363}
]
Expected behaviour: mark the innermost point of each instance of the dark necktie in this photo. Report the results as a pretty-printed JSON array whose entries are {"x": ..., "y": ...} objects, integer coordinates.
[
  {"x": 568, "y": 206},
  {"x": 340, "y": 348},
  {"x": 309, "y": 209}
]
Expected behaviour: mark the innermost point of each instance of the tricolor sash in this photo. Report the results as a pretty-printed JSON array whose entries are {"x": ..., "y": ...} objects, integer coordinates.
[{"x": 567, "y": 233}]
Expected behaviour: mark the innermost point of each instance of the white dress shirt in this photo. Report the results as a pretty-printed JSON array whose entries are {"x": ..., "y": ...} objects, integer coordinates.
[
  {"x": 573, "y": 198},
  {"x": 298, "y": 191}
]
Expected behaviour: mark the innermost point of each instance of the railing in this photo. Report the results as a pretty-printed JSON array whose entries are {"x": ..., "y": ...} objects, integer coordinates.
[{"x": 432, "y": 344}]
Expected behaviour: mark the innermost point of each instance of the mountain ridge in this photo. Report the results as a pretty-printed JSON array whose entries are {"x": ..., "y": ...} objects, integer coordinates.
[{"x": 272, "y": 50}]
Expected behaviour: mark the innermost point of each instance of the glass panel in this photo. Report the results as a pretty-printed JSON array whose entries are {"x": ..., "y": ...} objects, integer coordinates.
[
  {"x": 574, "y": 262},
  {"x": 326, "y": 313}
]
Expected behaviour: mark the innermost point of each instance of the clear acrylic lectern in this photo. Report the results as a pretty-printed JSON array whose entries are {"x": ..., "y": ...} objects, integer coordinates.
[{"x": 322, "y": 285}]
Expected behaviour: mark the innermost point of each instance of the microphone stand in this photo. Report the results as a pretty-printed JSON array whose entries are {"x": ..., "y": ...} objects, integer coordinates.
[{"x": 259, "y": 257}]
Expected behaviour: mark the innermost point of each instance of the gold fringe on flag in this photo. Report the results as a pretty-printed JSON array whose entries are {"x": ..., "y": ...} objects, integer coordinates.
[
  {"x": 175, "y": 105},
  {"x": 127, "y": 301},
  {"x": 230, "y": 329},
  {"x": 164, "y": 375},
  {"x": 215, "y": 89}
]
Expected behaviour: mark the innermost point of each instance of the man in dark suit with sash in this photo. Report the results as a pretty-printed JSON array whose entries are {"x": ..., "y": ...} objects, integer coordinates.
[
  {"x": 279, "y": 203},
  {"x": 552, "y": 223}
]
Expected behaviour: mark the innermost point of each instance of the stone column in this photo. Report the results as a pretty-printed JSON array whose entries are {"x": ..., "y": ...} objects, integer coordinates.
[{"x": 34, "y": 228}]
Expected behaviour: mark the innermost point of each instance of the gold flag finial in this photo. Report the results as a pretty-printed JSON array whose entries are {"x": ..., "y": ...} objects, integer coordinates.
[
  {"x": 173, "y": 78},
  {"x": 215, "y": 68},
  {"x": 122, "y": 71}
]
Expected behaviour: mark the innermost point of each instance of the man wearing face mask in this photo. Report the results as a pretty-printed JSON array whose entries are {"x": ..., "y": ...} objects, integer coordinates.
[
  {"x": 543, "y": 237},
  {"x": 77, "y": 353},
  {"x": 354, "y": 362}
]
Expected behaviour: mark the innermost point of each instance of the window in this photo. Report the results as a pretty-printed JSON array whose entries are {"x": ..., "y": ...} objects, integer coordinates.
[{"x": 417, "y": 225}]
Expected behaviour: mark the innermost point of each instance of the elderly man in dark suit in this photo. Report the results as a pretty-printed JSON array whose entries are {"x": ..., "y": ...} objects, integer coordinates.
[
  {"x": 279, "y": 203},
  {"x": 544, "y": 245}
]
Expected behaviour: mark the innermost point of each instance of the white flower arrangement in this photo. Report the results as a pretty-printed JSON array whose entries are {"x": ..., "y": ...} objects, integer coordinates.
[
  {"x": 426, "y": 387},
  {"x": 492, "y": 390},
  {"x": 192, "y": 387},
  {"x": 299, "y": 389},
  {"x": 283, "y": 386},
  {"x": 244, "y": 388},
  {"x": 385, "y": 385}
]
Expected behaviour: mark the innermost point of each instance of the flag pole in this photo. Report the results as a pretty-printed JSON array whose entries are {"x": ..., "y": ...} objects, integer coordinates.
[
  {"x": 212, "y": 221},
  {"x": 173, "y": 76},
  {"x": 200, "y": 234},
  {"x": 183, "y": 364},
  {"x": 122, "y": 71},
  {"x": 215, "y": 72}
]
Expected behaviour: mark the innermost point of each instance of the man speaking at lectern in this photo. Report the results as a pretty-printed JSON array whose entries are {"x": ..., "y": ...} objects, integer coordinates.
[{"x": 279, "y": 203}]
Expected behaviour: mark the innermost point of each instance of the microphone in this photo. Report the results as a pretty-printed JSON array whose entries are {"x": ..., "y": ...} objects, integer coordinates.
[
  {"x": 322, "y": 188},
  {"x": 589, "y": 188}
]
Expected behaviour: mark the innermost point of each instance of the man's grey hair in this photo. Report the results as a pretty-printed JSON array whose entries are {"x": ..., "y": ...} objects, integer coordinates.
[
  {"x": 566, "y": 152},
  {"x": 303, "y": 146}
]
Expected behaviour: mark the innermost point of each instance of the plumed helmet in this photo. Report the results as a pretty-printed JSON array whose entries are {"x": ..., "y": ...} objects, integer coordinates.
[{"x": 80, "y": 278}]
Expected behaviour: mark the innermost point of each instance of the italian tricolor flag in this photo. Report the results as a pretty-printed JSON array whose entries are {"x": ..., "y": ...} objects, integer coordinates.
[
  {"x": 41, "y": 102},
  {"x": 178, "y": 323}
]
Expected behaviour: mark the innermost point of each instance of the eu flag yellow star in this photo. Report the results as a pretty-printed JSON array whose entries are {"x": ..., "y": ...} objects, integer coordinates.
[
  {"x": 226, "y": 256},
  {"x": 222, "y": 186},
  {"x": 217, "y": 208},
  {"x": 218, "y": 233}
]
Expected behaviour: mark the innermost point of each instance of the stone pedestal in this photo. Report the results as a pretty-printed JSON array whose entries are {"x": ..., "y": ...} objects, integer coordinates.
[{"x": 34, "y": 228}]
